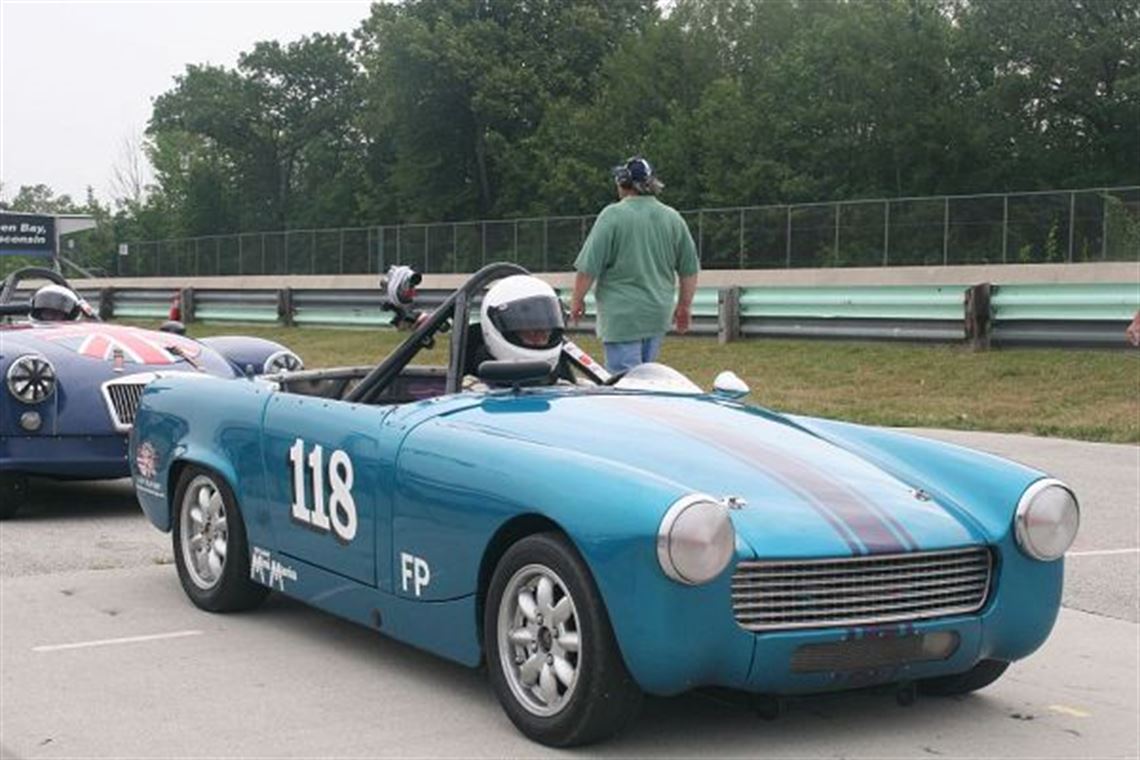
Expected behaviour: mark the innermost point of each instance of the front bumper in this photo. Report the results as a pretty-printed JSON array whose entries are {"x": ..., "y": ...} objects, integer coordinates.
[
  {"x": 669, "y": 652},
  {"x": 65, "y": 456}
]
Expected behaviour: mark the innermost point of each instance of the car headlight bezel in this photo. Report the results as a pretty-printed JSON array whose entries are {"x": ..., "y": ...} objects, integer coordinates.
[
  {"x": 31, "y": 379},
  {"x": 1024, "y": 530},
  {"x": 696, "y": 540}
]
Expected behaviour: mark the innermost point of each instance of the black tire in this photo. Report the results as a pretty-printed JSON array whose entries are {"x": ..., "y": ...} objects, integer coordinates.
[
  {"x": 978, "y": 677},
  {"x": 230, "y": 588},
  {"x": 13, "y": 493},
  {"x": 603, "y": 697}
]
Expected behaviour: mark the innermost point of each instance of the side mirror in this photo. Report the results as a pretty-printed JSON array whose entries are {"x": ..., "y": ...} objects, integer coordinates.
[
  {"x": 728, "y": 384},
  {"x": 173, "y": 326},
  {"x": 514, "y": 372}
]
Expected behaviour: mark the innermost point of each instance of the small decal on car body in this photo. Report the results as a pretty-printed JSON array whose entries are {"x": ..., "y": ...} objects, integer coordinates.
[
  {"x": 146, "y": 467},
  {"x": 268, "y": 571},
  {"x": 416, "y": 570},
  {"x": 146, "y": 459}
]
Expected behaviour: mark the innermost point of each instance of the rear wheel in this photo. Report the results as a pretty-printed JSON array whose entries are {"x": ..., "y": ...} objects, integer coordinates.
[
  {"x": 551, "y": 654},
  {"x": 13, "y": 493},
  {"x": 978, "y": 677},
  {"x": 210, "y": 548}
]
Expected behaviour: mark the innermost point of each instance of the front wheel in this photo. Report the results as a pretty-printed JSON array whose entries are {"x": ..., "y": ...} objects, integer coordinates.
[
  {"x": 210, "y": 548},
  {"x": 978, "y": 677},
  {"x": 552, "y": 657}
]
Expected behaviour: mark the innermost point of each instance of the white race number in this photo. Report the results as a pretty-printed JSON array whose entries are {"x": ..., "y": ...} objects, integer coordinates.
[{"x": 339, "y": 514}]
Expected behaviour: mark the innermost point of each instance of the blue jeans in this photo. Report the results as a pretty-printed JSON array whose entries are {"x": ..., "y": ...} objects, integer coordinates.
[{"x": 622, "y": 356}]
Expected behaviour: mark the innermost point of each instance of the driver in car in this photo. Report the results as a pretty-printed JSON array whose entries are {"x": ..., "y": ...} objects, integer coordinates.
[
  {"x": 55, "y": 303},
  {"x": 521, "y": 320}
]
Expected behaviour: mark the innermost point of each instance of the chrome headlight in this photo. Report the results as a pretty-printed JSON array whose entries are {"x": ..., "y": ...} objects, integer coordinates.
[
  {"x": 31, "y": 378},
  {"x": 1047, "y": 519},
  {"x": 283, "y": 361},
  {"x": 696, "y": 539}
]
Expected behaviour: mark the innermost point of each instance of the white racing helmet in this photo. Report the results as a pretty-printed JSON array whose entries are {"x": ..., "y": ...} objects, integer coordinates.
[
  {"x": 55, "y": 303},
  {"x": 522, "y": 320}
]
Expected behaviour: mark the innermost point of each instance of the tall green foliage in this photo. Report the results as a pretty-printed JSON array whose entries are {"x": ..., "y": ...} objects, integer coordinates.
[{"x": 458, "y": 109}]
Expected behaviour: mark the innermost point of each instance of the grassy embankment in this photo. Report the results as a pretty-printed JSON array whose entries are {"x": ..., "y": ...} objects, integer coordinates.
[{"x": 1090, "y": 395}]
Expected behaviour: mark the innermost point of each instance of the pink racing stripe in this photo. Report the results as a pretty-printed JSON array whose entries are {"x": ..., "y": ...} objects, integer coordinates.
[{"x": 849, "y": 513}]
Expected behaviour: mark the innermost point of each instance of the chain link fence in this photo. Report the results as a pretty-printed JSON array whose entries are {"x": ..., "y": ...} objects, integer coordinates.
[{"x": 1099, "y": 224}]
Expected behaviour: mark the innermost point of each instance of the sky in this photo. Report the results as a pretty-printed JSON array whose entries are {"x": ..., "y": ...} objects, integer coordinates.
[{"x": 77, "y": 79}]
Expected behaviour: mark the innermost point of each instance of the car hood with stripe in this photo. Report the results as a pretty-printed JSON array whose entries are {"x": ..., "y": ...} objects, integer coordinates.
[{"x": 803, "y": 494}]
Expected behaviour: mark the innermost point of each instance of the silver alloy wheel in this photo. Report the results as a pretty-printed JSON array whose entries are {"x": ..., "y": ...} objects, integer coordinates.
[
  {"x": 539, "y": 640},
  {"x": 203, "y": 532}
]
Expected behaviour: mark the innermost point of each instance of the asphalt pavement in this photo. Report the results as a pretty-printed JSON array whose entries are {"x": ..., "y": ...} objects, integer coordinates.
[{"x": 101, "y": 655}]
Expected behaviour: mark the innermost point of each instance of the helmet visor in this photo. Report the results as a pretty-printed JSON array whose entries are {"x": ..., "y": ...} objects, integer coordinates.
[{"x": 534, "y": 322}]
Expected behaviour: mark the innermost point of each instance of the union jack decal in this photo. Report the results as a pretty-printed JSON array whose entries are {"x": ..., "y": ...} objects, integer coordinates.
[
  {"x": 108, "y": 342},
  {"x": 146, "y": 459}
]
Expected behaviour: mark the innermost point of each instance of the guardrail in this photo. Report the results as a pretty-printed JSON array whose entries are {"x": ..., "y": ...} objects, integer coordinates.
[
  {"x": 932, "y": 313},
  {"x": 1055, "y": 314},
  {"x": 1090, "y": 314}
]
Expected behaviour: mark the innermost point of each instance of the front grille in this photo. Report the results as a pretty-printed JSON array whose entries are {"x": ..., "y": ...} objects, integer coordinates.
[
  {"x": 123, "y": 401},
  {"x": 821, "y": 593}
]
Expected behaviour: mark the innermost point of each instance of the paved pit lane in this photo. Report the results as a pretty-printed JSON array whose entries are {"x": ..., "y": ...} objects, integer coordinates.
[{"x": 101, "y": 655}]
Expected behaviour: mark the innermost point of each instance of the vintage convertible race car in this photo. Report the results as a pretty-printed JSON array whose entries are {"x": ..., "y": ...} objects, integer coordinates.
[
  {"x": 71, "y": 386},
  {"x": 598, "y": 538}
]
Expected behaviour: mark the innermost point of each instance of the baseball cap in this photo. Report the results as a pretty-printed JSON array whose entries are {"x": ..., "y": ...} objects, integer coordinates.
[{"x": 636, "y": 172}]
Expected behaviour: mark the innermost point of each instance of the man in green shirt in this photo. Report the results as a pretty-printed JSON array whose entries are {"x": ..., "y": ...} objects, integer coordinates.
[{"x": 635, "y": 252}]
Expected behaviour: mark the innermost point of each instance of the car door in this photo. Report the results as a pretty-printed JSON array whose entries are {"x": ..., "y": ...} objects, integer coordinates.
[{"x": 325, "y": 480}]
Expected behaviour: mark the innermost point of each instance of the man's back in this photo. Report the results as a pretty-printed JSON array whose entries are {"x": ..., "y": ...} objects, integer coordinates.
[{"x": 635, "y": 250}]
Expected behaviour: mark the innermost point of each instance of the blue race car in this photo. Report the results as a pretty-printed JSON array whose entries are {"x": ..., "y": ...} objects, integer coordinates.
[
  {"x": 71, "y": 385},
  {"x": 597, "y": 538}
]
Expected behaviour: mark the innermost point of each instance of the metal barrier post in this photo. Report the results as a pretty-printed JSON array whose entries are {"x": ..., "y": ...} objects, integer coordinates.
[
  {"x": 978, "y": 323},
  {"x": 728, "y": 315},
  {"x": 341, "y": 265},
  {"x": 285, "y": 306},
  {"x": 186, "y": 298},
  {"x": 106, "y": 303}
]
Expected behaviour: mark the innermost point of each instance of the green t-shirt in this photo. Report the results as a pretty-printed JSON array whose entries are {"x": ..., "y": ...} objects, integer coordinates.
[{"x": 635, "y": 251}]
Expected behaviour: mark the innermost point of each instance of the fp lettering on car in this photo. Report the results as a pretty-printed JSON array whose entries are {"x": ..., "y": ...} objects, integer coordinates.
[{"x": 414, "y": 569}]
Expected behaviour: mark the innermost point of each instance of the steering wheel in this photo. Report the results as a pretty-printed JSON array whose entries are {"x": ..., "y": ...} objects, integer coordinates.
[{"x": 12, "y": 282}]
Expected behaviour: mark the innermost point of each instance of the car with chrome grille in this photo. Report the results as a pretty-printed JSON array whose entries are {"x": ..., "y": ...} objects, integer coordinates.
[
  {"x": 602, "y": 537},
  {"x": 71, "y": 387}
]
